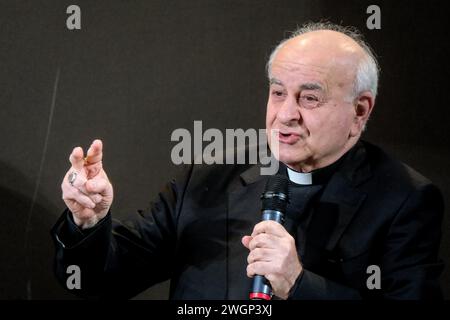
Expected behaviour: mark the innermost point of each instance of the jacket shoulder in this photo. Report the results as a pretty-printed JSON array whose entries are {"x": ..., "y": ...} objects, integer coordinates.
[{"x": 389, "y": 171}]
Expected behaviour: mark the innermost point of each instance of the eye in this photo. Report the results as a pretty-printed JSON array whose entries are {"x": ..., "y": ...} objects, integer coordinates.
[
  {"x": 277, "y": 93},
  {"x": 309, "y": 98},
  {"x": 309, "y": 101}
]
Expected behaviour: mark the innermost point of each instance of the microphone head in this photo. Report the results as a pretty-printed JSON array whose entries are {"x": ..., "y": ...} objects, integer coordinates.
[{"x": 276, "y": 193}]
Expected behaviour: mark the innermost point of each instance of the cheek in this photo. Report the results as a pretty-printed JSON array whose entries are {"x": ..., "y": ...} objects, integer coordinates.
[
  {"x": 345, "y": 122},
  {"x": 270, "y": 116},
  {"x": 329, "y": 125}
]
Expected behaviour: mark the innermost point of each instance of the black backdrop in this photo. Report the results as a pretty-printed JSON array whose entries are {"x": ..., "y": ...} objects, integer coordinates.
[{"x": 137, "y": 70}]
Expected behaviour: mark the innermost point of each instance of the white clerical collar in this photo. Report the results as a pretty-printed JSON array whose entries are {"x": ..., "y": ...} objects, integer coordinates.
[{"x": 304, "y": 178}]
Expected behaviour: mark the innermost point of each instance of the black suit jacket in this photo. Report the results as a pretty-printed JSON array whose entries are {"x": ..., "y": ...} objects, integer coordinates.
[{"x": 373, "y": 211}]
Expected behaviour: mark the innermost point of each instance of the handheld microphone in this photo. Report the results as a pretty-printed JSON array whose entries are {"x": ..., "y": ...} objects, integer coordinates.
[{"x": 274, "y": 200}]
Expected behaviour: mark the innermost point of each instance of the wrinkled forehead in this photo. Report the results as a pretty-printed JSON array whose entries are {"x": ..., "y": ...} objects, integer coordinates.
[
  {"x": 326, "y": 61},
  {"x": 328, "y": 75},
  {"x": 296, "y": 74},
  {"x": 295, "y": 66}
]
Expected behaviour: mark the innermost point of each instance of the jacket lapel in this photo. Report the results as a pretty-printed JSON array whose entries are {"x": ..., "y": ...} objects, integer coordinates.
[
  {"x": 342, "y": 193},
  {"x": 344, "y": 200},
  {"x": 244, "y": 211}
]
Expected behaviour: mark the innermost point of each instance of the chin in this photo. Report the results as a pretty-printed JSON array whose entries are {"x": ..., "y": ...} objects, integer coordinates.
[{"x": 292, "y": 157}]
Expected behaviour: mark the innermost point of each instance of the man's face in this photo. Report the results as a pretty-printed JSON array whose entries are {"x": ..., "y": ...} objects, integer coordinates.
[{"x": 311, "y": 104}]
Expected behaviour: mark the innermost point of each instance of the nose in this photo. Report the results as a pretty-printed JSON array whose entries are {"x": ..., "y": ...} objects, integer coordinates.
[{"x": 289, "y": 112}]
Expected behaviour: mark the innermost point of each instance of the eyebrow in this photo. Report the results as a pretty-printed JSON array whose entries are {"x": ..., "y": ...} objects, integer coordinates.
[
  {"x": 305, "y": 86},
  {"x": 275, "y": 81},
  {"x": 311, "y": 86}
]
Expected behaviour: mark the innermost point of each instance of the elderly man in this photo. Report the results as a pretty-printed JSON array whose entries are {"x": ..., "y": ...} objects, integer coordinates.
[{"x": 353, "y": 208}]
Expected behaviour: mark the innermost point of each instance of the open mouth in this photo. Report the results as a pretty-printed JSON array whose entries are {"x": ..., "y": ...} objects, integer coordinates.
[{"x": 289, "y": 138}]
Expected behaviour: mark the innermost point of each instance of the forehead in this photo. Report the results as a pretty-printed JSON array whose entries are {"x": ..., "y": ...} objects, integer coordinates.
[
  {"x": 285, "y": 72},
  {"x": 310, "y": 61}
]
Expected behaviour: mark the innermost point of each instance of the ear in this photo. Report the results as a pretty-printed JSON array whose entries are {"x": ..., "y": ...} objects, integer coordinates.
[{"x": 363, "y": 105}]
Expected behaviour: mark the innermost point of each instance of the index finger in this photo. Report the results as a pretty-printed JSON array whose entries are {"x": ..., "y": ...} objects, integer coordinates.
[
  {"x": 95, "y": 152},
  {"x": 76, "y": 158},
  {"x": 270, "y": 227}
]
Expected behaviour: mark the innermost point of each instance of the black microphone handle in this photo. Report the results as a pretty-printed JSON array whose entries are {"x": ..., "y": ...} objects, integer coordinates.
[{"x": 261, "y": 289}]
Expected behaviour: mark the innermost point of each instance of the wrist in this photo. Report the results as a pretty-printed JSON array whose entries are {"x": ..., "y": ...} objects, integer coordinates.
[
  {"x": 296, "y": 283},
  {"x": 86, "y": 223}
]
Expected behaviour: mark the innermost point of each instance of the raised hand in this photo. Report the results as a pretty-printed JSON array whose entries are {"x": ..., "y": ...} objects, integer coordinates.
[{"x": 86, "y": 189}]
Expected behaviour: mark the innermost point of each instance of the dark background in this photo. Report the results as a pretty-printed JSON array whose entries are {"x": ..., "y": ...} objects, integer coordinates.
[{"x": 137, "y": 70}]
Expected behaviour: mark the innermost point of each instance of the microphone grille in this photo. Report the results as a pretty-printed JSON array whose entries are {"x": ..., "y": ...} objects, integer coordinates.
[
  {"x": 276, "y": 193},
  {"x": 277, "y": 183}
]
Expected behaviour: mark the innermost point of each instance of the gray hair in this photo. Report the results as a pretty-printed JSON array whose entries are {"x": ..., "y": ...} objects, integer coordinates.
[{"x": 368, "y": 69}]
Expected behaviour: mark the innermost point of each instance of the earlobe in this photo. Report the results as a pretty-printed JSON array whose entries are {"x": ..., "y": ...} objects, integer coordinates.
[{"x": 355, "y": 128}]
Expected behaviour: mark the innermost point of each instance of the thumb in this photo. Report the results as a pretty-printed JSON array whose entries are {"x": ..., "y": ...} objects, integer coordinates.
[{"x": 246, "y": 241}]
